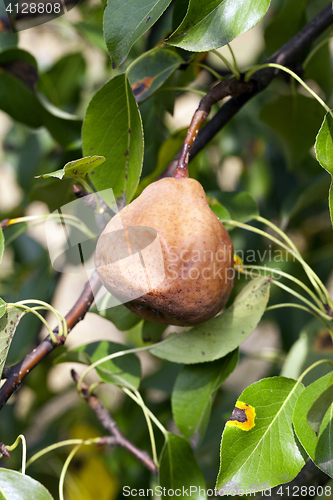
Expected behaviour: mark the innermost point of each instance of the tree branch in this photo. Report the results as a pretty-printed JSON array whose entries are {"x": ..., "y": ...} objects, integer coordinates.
[
  {"x": 16, "y": 373},
  {"x": 110, "y": 425},
  {"x": 221, "y": 90},
  {"x": 288, "y": 55}
]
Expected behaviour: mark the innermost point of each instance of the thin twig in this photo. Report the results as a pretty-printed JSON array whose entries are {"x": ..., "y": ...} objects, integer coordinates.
[
  {"x": 4, "y": 223},
  {"x": 110, "y": 425},
  {"x": 16, "y": 373}
]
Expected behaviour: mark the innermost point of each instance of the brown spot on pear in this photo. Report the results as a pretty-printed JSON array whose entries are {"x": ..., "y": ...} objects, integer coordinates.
[{"x": 179, "y": 265}]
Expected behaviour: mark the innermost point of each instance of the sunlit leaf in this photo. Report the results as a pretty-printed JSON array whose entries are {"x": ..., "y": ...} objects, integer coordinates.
[
  {"x": 151, "y": 70},
  {"x": 324, "y": 152},
  {"x": 2, "y": 244},
  {"x": 125, "y": 22},
  {"x": 9, "y": 319},
  {"x": 179, "y": 470},
  {"x": 16, "y": 486},
  {"x": 112, "y": 127},
  {"x": 314, "y": 344},
  {"x": 319, "y": 447},
  {"x": 266, "y": 454},
  {"x": 77, "y": 168},
  {"x": 194, "y": 393},
  {"x": 219, "y": 336},
  {"x": 209, "y": 25}
]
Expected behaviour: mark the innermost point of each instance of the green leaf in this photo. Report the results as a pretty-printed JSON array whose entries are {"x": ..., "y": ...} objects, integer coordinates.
[
  {"x": 324, "y": 451},
  {"x": 53, "y": 193},
  {"x": 120, "y": 316},
  {"x": 151, "y": 70},
  {"x": 222, "y": 334},
  {"x": 124, "y": 371},
  {"x": 179, "y": 470},
  {"x": 112, "y": 127},
  {"x": 319, "y": 68},
  {"x": 16, "y": 486},
  {"x": 319, "y": 448},
  {"x": 73, "y": 357},
  {"x": 92, "y": 33},
  {"x": 63, "y": 127},
  {"x": 2, "y": 244},
  {"x": 152, "y": 332},
  {"x": 62, "y": 83},
  {"x": 219, "y": 210},
  {"x": 9, "y": 319},
  {"x": 289, "y": 117},
  {"x": 15, "y": 54},
  {"x": 324, "y": 152},
  {"x": 241, "y": 206},
  {"x": 209, "y": 25},
  {"x": 266, "y": 454},
  {"x": 77, "y": 168},
  {"x": 285, "y": 24},
  {"x": 30, "y": 154},
  {"x": 125, "y": 22},
  {"x": 7, "y": 38},
  {"x": 314, "y": 344},
  {"x": 179, "y": 12},
  {"x": 19, "y": 99},
  {"x": 194, "y": 393},
  {"x": 319, "y": 408}
]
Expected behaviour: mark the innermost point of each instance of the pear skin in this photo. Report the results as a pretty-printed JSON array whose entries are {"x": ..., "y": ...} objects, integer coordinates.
[{"x": 179, "y": 266}]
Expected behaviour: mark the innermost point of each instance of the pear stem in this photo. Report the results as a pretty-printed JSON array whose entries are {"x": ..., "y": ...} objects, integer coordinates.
[
  {"x": 182, "y": 167},
  {"x": 221, "y": 90}
]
